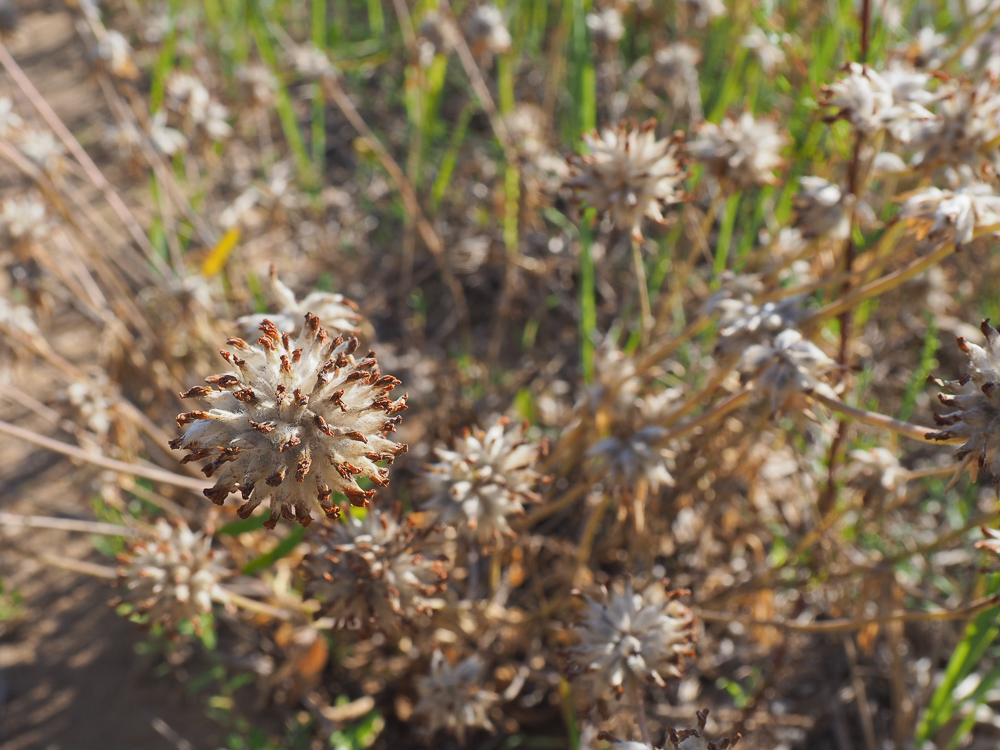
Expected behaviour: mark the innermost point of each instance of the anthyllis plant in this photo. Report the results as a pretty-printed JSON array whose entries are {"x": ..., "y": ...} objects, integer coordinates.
[{"x": 661, "y": 283}]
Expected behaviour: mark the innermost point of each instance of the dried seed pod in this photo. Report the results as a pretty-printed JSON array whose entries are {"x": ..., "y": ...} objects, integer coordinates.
[
  {"x": 693, "y": 739},
  {"x": 976, "y": 408},
  {"x": 452, "y": 698},
  {"x": 786, "y": 368},
  {"x": 172, "y": 577},
  {"x": 294, "y": 421},
  {"x": 627, "y": 638},
  {"x": 742, "y": 153},
  {"x": 370, "y": 574},
  {"x": 486, "y": 479},
  {"x": 629, "y": 174}
]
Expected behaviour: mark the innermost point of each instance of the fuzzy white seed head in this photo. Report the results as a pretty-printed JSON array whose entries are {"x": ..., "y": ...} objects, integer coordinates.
[
  {"x": 485, "y": 479},
  {"x": 453, "y": 699},
  {"x": 629, "y": 175},
  {"x": 370, "y": 574},
  {"x": 626, "y": 638},
  {"x": 294, "y": 423},
  {"x": 173, "y": 576},
  {"x": 787, "y": 368}
]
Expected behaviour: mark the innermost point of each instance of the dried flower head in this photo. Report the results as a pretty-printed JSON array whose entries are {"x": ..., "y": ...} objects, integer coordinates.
[
  {"x": 626, "y": 638},
  {"x": 10, "y": 120},
  {"x": 675, "y": 69},
  {"x": 992, "y": 541},
  {"x": 606, "y": 26},
  {"x": 767, "y": 46},
  {"x": 189, "y": 96},
  {"x": 966, "y": 129},
  {"x": 311, "y": 62},
  {"x": 437, "y": 36},
  {"x": 369, "y": 574},
  {"x": 43, "y": 148},
  {"x": 953, "y": 215},
  {"x": 742, "y": 153},
  {"x": 486, "y": 479},
  {"x": 293, "y": 412},
  {"x": 976, "y": 403},
  {"x": 693, "y": 739},
  {"x": 452, "y": 698},
  {"x": 706, "y": 11},
  {"x": 629, "y": 174},
  {"x": 486, "y": 30},
  {"x": 259, "y": 82},
  {"x": 116, "y": 53},
  {"x": 636, "y": 455},
  {"x": 172, "y": 577},
  {"x": 822, "y": 209},
  {"x": 168, "y": 140},
  {"x": 787, "y": 368},
  {"x": 871, "y": 101},
  {"x": 339, "y": 314},
  {"x": 742, "y": 324},
  {"x": 23, "y": 219}
]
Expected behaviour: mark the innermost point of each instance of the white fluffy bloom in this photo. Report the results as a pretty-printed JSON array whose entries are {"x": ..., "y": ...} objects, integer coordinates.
[
  {"x": 606, "y": 27},
  {"x": 628, "y": 638},
  {"x": 292, "y": 413},
  {"x": 189, "y": 96},
  {"x": 821, "y": 209},
  {"x": 975, "y": 417},
  {"x": 767, "y": 48},
  {"x": 743, "y": 152},
  {"x": 43, "y": 148},
  {"x": 116, "y": 52},
  {"x": 23, "y": 218},
  {"x": 952, "y": 215},
  {"x": 485, "y": 480},
  {"x": 966, "y": 130},
  {"x": 786, "y": 368},
  {"x": 9, "y": 119},
  {"x": 675, "y": 69},
  {"x": 369, "y": 573},
  {"x": 452, "y": 698},
  {"x": 871, "y": 101},
  {"x": 339, "y": 314},
  {"x": 168, "y": 140},
  {"x": 172, "y": 577},
  {"x": 486, "y": 29},
  {"x": 629, "y": 175},
  {"x": 311, "y": 62}
]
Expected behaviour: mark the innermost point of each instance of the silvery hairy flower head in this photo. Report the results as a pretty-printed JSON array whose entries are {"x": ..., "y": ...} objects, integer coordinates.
[
  {"x": 23, "y": 219},
  {"x": 43, "y": 148},
  {"x": 339, "y": 314},
  {"x": 633, "y": 452},
  {"x": 370, "y": 574},
  {"x": 629, "y": 174},
  {"x": 675, "y": 69},
  {"x": 296, "y": 422},
  {"x": 606, "y": 27},
  {"x": 116, "y": 53},
  {"x": 167, "y": 140},
  {"x": 189, "y": 96},
  {"x": 485, "y": 479},
  {"x": 626, "y": 638},
  {"x": 870, "y": 101},
  {"x": 486, "y": 30},
  {"x": 952, "y": 215},
  {"x": 452, "y": 697},
  {"x": 787, "y": 368},
  {"x": 742, "y": 323},
  {"x": 172, "y": 576},
  {"x": 975, "y": 404},
  {"x": 767, "y": 46},
  {"x": 694, "y": 739},
  {"x": 742, "y": 153},
  {"x": 966, "y": 129},
  {"x": 822, "y": 209}
]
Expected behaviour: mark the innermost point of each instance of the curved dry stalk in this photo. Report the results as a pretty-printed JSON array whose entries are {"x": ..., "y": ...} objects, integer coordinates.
[
  {"x": 550, "y": 509},
  {"x": 66, "y": 524},
  {"x": 849, "y": 624},
  {"x": 661, "y": 353},
  {"x": 138, "y": 470},
  {"x": 719, "y": 410},
  {"x": 873, "y": 419},
  {"x": 64, "y": 563},
  {"x": 93, "y": 173},
  {"x": 252, "y": 605}
]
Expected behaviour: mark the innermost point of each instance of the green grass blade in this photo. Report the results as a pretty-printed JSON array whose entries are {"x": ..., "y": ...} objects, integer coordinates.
[{"x": 283, "y": 549}]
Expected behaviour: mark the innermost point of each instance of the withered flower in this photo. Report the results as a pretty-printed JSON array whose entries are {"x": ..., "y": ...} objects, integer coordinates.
[
  {"x": 742, "y": 153},
  {"x": 172, "y": 577},
  {"x": 952, "y": 215},
  {"x": 786, "y": 368},
  {"x": 292, "y": 413},
  {"x": 976, "y": 408},
  {"x": 629, "y": 174},
  {"x": 370, "y": 573},
  {"x": 627, "y": 638},
  {"x": 485, "y": 480},
  {"x": 339, "y": 314},
  {"x": 453, "y": 698},
  {"x": 693, "y": 739}
]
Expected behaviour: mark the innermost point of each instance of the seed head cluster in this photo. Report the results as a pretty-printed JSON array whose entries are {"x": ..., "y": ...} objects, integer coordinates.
[
  {"x": 172, "y": 577},
  {"x": 294, "y": 423}
]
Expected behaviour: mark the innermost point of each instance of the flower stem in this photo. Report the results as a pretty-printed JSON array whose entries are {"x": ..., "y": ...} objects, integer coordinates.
[
  {"x": 640, "y": 711},
  {"x": 912, "y": 431}
]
